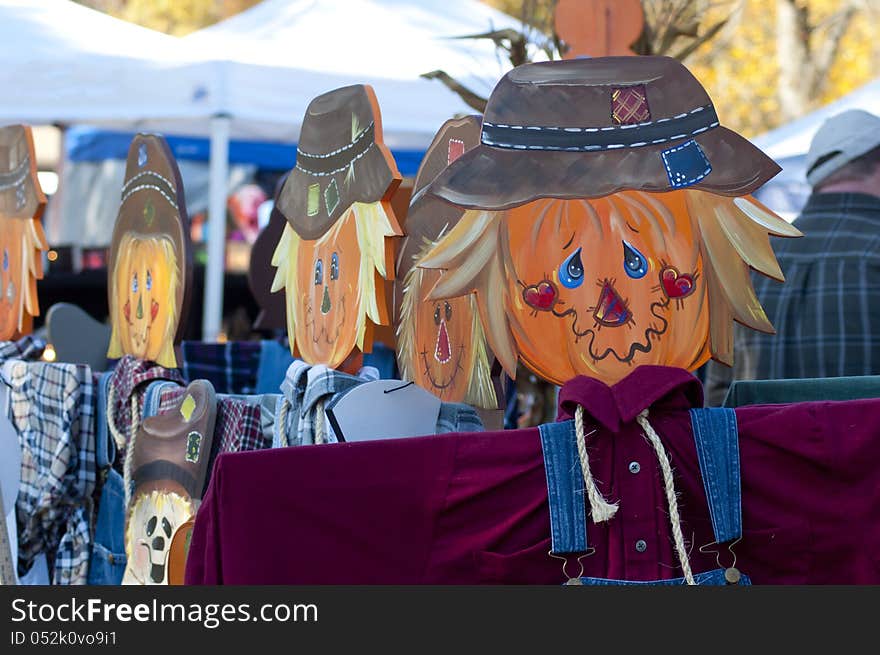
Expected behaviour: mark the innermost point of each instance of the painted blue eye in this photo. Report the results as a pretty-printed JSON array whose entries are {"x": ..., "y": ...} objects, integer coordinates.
[
  {"x": 5, "y": 259},
  {"x": 571, "y": 272},
  {"x": 149, "y": 281},
  {"x": 134, "y": 283},
  {"x": 319, "y": 272},
  {"x": 334, "y": 267},
  {"x": 634, "y": 263}
]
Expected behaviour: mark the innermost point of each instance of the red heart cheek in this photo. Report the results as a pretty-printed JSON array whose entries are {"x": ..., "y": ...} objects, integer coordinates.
[
  {"x": 126, "y": 310},
  {"x": 154, "y": 309},
  {"x": 540, "y": 296}
]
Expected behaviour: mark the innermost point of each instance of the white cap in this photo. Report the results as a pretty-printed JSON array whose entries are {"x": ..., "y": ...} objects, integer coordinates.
[{"x": 841, "y": 138}]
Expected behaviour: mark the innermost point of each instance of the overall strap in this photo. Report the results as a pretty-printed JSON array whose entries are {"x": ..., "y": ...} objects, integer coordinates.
[
  {"x": 565, "y": 488},
  {"x": 717, "y": 442}
]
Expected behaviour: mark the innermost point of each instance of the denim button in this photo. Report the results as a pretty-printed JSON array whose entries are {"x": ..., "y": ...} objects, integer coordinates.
[
  {"x": 634, "y": 467},
  {"x": 641, "y": 545}
]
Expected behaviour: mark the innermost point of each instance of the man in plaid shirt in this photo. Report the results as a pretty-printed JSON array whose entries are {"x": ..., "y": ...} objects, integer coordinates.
[{"x": 827, "y": 313}]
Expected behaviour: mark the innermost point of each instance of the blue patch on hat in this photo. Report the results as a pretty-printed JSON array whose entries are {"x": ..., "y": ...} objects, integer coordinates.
[{"x": 686, "y": 164}]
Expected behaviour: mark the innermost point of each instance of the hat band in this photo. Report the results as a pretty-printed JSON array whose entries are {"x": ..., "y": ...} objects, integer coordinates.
[
  {"x": 587, "y": 139},
  {"x": 161, "y": 469},
  {"x": 337, "y": 160},
  {"x": 14, "y": 177}
]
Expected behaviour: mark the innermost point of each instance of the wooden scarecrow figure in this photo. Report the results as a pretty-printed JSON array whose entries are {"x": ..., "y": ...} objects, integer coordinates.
[
  {"x": 336, "y": 252},
  {"x": 440, "y": 344},
  {"x": 167, "y": 465},
  {"x": 22, "y": 240},
  {"x": 608, "y": 221},
  {"x": 150, "y": 267}
]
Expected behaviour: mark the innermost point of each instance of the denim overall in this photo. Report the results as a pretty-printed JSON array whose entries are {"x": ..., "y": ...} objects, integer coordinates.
[
  {"x": 717, "y": 443},
  {"x": 107, "y": 562}
]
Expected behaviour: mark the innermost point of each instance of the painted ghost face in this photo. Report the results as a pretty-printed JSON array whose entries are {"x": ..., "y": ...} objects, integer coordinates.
[
  {"x": 443, "y": 339},
  {"x": 328, "y": 270},
  {"x": 11, "y": 242},
  {"x": 154, "y": 519},
  {"x": 601, "y": 286},
  {"x": 144, "y": 276}
]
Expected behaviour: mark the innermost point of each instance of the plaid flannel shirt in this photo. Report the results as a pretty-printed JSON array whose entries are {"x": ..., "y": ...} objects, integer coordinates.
[
  {"x": 308, "y": 388},
  {"x": 230, "y": 367},
  {"x": 827, "y": 312},
  {"x": 27, "y": 348},
  {"x": 53, "y": 411}
]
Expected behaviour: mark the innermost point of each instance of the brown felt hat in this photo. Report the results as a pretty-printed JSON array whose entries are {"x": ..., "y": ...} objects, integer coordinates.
[
  {"x": 341, "y": 159},
  {"x": 152, "y": 203},
  {"x": 428, "y": 217},
  {"x": 584, "y": 128},
  {"x": 20, "y": 193}
]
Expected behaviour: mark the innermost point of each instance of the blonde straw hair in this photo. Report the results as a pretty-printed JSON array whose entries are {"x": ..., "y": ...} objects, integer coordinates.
[
  {"x": 732, "y": 233},
  {"x": 374, "y": 224},
  {"x": 159, "y": 246},
  {"x": 480, "y": 390}
]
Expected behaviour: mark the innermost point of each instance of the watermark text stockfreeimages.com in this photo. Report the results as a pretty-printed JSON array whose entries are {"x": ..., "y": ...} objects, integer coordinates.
[{"x": 209, "y": 615}]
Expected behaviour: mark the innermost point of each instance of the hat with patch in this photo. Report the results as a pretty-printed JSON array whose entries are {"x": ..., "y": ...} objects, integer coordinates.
[
  {"x": 340, "y": 159},
  {"x": 583, "y": 128}
]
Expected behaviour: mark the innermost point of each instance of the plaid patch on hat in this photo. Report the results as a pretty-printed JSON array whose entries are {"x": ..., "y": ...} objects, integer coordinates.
[{"x": 629, "y": 105}]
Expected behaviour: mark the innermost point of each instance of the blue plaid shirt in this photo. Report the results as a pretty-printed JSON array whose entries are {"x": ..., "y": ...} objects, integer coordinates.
[{"x": 827, "y": 312}]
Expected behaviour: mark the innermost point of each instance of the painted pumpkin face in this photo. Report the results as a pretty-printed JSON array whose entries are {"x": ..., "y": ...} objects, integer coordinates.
[
  {"x": 145, "y": 283},
  {"x": 329, "y": 299},
  {"x": 443, "y": 339},
  {"x": 601, "y": 286},
  {"x": 11, "y": 278}
]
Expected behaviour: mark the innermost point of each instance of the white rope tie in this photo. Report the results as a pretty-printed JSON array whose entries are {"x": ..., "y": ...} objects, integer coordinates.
[
  {"x": 600, "y": 509},
  {"x": 129, "y": 452},
  {"x": 281, "y": 420},
  {"x": 669, "y": 486},
  {"x": 320, "y": 429}
]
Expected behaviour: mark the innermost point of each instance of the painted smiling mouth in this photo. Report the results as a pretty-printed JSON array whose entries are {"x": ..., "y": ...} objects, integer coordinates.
[
  {"x": 611, "y": 310},
  {"x": 438, "y": 384}
]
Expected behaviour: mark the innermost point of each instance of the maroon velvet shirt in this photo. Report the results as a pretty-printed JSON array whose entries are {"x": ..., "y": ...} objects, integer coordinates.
[{"x": 472, "y": 508}]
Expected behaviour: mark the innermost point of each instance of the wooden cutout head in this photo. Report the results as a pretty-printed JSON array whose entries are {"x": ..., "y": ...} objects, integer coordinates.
[
  {"x": 21, "y": 234},
  {"x": 150, "y": 267},
  {"x": 598, "y": 28},
  {"x": 337, "y": 250},
  {"x": 441, "y": 344},
  {"x": 586, "y": 261}
]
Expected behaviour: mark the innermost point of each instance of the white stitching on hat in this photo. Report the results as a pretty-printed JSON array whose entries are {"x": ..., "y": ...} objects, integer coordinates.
[
  {"x": 487, "y": 141},
  {"x": 338, "y": 150},
  {"x": 15, "y": 182},
  {"x": 595, "y": 129},
  {"x": 681, "y": 182},
  {"x": 141, "y": 187},
  {"x": 146, "y": 173},
  {"x": 335, "y": 170}
]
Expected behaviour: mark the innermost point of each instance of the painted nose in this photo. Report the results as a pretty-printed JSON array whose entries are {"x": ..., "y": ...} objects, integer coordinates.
[
  {"x": 140, "y": 307},
  {"x": 159, "y": 543},
  {"x": 325, "y": 303}
]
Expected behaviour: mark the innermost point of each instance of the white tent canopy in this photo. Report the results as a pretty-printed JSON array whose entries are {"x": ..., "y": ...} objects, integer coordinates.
[{"x": 250, "y": 77}]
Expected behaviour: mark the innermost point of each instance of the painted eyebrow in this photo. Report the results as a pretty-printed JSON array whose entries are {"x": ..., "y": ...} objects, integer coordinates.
[
  {"x": 631, "y": 227},
  {"x": 565, "y": 247}
]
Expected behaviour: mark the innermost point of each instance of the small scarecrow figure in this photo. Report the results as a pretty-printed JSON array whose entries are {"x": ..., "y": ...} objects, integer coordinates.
[
  {"x": 609, "y": 222},
  {"x": 150, "y": 266},
  {"x": 21, "y": 234},
  {"x": 441, "y": 345},
  {"x": 336, "y": 252},
  {"x": 167, "y": 465}
]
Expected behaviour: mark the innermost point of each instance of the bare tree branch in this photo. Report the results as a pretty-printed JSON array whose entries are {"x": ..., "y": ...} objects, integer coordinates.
[{"x": 473, "y": 100}]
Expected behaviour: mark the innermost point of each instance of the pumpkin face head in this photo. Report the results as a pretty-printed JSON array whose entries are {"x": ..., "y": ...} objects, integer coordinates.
[
  {"x": 150, "y": 267},
  {"x": 144, "y": 281},
  {"x": 443, "y": 342},
  {"x": 600, "y": 286},
  {"x": 12, "y": 277},
  {"x": 21, "y": 233},
  {"x": 328, "y": 297}
]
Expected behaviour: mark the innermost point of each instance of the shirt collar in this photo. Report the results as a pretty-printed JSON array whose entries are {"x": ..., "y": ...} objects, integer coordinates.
[
  {"x": 619, "y": 404},
  {"x": 822, "y": 203}
]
